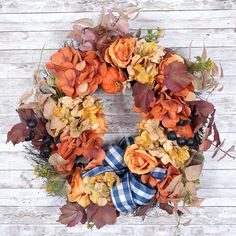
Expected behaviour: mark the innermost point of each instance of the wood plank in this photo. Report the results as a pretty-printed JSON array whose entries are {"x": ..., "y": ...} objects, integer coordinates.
[
  {"x": 128, "y": 123},
  {"x": 118, "y": 230},
  {"x": 120, "y": 104},
  {"x": 26, "y": 70},
  {"x": 36, "y": 40},
  {"x": 18, "y": 161},
  {"x": 150, "y": 20},
  {"x": 33, "y": 56},
  {"x": 15, "y": 6},
  {"x": 25, "y": 179},
  {"x": 39, "y": 198},
  {"x": 48, "y": 216},
  {"x": 108, "y": 139}
]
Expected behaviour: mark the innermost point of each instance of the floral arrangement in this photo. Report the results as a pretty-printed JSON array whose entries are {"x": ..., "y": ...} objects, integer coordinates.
[{"x": 64, "y": 124}]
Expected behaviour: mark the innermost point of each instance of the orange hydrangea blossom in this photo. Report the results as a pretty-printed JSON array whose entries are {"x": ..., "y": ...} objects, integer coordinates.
[
  {"x": 88, "y": 145},
  {"x": 78, "y": 193},
  {"x": 164, "y": 196},
  {"x": 77, "y": 73}
]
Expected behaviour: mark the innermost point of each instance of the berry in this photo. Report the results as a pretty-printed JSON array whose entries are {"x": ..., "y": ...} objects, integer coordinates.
[
  {"x": 182, "y": 123},
  {"x": 172, "y": 135},
  {"x": 30, "y": 136},
  {"x": 181, "y": 141},
  {"x": 47, "y": 140},
  {"x": 32, "y": 124},
  {"x": 191, "y": 142},
  {"x": 45, "y": 151}
]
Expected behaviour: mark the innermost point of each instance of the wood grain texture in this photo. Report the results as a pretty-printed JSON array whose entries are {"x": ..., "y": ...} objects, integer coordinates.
[{"x": 25, "y": 26}]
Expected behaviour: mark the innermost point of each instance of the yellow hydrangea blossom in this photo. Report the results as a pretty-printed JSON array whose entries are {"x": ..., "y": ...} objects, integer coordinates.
[
  {"x": 153, "y": 138},
  {"x": 98, "y": 187},
  {"x": 179, "y": 155},
  {"x": 143, "y": 66}
]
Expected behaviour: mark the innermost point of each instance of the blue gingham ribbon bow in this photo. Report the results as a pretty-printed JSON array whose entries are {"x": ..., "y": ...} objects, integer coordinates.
[{"x": 130, "y": 192}]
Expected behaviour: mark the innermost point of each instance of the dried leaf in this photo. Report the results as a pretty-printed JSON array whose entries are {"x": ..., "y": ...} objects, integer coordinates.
[
  {"x": 143, "y": 210},
  {"x": 205, "y": 145},
  {"x": 48, "y": 109},
  {"x": 26, "y": 96},
  {"x": 218, "y": 149},
  {"x": 231, "y": 149},
  {"x": 17, "y": 133},
  {"x": 87, "y": 22},
  {"x": 56, "y": 159},
  {"x": 143, "y": 96},
  {"x": 176, "y": 76},
  {"x": 216, "y": 135},
  {"x": 221, "y": 72},
  {"x": 193, "y": 173},
  {"x": 72, "y": 214},
  {"x": 204, "y": 54},
  {"x": 101, "y": 216},
  {"x": 168, "y": 208},
  {"x": 171, "y": 187}
]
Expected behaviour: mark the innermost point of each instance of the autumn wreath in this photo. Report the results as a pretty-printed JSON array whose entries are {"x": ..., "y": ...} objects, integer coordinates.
[{"x": 64, "y": 124}]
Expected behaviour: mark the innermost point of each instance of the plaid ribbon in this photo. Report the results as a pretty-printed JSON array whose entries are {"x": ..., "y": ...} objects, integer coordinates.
[{"x": 130, "y": 192}]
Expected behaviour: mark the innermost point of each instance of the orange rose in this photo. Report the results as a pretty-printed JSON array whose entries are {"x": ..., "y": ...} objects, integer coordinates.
[
  {"x": 120, "y": 52},
  {"x": 139, "y": 161},
  {"x": 77, "y": 193}
]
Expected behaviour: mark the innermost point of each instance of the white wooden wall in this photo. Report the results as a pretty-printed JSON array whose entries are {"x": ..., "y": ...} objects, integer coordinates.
[{"x": 26, "y": 25}]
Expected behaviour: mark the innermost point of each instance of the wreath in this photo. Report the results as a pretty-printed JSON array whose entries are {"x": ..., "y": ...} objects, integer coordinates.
[{"x": 64, "y": 124}]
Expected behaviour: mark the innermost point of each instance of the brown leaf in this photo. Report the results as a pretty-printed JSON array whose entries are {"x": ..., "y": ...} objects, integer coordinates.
[
  {"x": 26, "y": 96},
  {"x": 72, "y": 214},
  {"x": 143, "y": 96},
  {"x": 101, "y": 216},
  {"x": 176, "y": 180},
  {"x": 193, "y": 173},
  {"x": 169, "y": 209},
  {"x": 218, "y": 149},
  {"x": 143, "y": 210},
  {"x": 216, "y": 135},
  {"x": 56, "y": 159},
  {"x": 17, "y": 133},
  {"x": 201, "y": 111},
  {"x": 204, "y": 54},
  {"x": 231, "y": 149},
  {"x": 205, "y": 145},
  {"x": 176, "y": 76}
]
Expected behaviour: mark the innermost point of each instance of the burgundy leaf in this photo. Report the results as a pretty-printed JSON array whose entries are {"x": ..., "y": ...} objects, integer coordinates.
[
  {"x": 143, "y": 96},
  {"x": 143, "y": 210},
  {"x": 176, "y": 76},
  {"x": 169, "y": 209},
  {"x": 201, "y": 111},
  {"x": 216, "y": 135},
  {"x": 18, "y": 133},
  {"x": 101, "y": 215},
  {"x": 72, "y": 214},
  {"x": 26, "y": 115},
  {"x": 205, "y": 145}
]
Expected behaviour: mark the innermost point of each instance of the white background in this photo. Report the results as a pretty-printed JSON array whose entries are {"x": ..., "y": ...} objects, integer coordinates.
[{"x": 26, "y": 25}]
